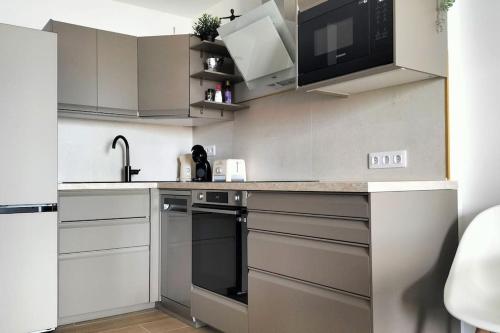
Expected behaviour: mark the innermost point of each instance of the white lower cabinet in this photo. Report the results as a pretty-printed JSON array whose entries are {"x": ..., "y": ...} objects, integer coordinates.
[{"x": 103, "y": 280}]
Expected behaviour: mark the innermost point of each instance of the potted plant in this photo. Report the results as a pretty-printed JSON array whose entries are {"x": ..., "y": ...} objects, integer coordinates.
[{"x": 206, "y": 27}]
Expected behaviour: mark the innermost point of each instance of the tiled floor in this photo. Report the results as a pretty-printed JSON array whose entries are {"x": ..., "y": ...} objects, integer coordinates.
[{"x": 147, "y": 321}]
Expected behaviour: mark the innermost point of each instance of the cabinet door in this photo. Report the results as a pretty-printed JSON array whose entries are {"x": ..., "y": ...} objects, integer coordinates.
[
  {"x": 103, "y": 280},
  {"x": 164, "y": 76},
  {"x": 117, "y": 73},
  {"x": 77, "y": 67}
]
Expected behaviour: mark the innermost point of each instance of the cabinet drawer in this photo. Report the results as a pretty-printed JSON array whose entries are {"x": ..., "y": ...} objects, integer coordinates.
[
  {"x": 329, "y": 264},
  {"x": 305, "y": 203},
  {"x": 222, "y": 313},
  {"x": 279, "y": 305},
  {"x": 103, "y": 280},
  {"x": 102, "y": 235},
  {"x": 349, "y": 230},
  {"x": 103, "y": 205}
]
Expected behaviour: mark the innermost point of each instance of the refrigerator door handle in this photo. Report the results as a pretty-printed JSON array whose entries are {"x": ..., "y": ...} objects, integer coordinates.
[{"x": 28, "y": 209}]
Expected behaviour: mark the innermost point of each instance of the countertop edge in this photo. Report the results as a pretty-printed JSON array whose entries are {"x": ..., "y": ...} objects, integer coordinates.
[
  {"x": 321, "y": 186},
  {"x": 106, "y": 186}
]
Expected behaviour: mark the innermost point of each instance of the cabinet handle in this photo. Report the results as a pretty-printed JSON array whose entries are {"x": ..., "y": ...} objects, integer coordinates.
[{"x": 102, "y": 253}]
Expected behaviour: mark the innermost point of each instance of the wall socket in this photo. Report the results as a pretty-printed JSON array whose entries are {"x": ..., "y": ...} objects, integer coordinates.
[
  {"x": 388, "y": 160},
  {"x": 211, "y": 150}
]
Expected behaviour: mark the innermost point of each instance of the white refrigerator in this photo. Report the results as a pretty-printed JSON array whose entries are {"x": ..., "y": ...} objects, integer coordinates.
[{"x": 28, "y": 180}]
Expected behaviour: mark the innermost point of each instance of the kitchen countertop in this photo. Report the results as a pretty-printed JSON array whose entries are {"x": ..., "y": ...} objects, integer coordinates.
[{"x": 299, "y": 186}]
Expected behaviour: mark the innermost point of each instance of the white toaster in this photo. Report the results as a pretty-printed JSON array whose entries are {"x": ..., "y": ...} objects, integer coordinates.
[{"x": 229, "y": 171}]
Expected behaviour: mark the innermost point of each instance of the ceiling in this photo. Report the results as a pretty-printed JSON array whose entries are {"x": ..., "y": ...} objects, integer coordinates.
[{"x": 186, "y": 8}]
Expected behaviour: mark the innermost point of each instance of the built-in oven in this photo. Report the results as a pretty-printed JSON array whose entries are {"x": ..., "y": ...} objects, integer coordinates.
[
  {"x": 340, "y": 37},
  {"x": 219, "y": 243}
]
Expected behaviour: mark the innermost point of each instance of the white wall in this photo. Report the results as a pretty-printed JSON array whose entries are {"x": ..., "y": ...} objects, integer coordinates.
[
  {"x": 85, "y": 152},
  {"x": 474, "y": 91},
  {"x": 297, "y": 136},
  {"x": 102, "y": 14},
  {"x": 222, "y": 9},
  {"x": 475, "y": 68}
]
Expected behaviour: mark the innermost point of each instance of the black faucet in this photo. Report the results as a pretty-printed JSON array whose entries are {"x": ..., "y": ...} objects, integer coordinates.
[{"x": 128, "y": 172}]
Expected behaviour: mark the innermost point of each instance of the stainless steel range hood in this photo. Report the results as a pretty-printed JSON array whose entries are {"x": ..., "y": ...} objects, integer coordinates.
[{"x": 262, "y": 45}]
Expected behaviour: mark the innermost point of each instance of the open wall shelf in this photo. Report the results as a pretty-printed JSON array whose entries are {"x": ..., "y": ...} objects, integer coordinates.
[
  {"x": 219, "y": 106},
  {"x": 216, "y": 47},
  {"x": 217, "y": 76}
]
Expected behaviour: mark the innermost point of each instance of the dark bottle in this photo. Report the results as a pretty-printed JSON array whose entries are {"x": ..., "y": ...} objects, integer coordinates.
[{"x": 227, "y": 93}]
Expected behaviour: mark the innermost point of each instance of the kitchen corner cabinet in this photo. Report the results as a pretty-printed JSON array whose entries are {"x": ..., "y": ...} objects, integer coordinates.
[
  {"x": 166, "y": 88},
  {"x": 103, "y": 74},
  {"x": 163, "y": 76},
  {"x": 97, "y": 71},
  {"x": 104, "y": 253},
  {"x": 350, "y": 263}
]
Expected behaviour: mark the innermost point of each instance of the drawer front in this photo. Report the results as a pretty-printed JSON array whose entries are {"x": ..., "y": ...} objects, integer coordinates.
[
  {"x": 279, "y": 305},
  {"x": 348, "y": 230},
  {"x": 305, "y": 203},
  {"x": 219, "y": 312},
  {"x": 103, "y": 280},
  {"x": 103, "y": 235},
  {"x": 103, "y": 205},
  {"x": 329, "y": 264}
]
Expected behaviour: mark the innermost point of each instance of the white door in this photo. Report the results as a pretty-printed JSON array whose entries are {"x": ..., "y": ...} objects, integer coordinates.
[
  {"x": 28, "y": 273},
  {"x": 28, "y": 116}
]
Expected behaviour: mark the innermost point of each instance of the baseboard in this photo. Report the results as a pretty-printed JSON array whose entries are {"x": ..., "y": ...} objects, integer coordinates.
[{"x": 104, "y": 314}]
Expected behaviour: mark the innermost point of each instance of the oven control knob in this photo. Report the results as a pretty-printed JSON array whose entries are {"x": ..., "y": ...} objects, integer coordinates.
[
  {"x": 237, "y": 197},
  {"x": 201, "y": 196}
]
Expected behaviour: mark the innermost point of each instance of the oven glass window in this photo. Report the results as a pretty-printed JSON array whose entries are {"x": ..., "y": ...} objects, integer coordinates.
[{"x": 217, "y": 254}]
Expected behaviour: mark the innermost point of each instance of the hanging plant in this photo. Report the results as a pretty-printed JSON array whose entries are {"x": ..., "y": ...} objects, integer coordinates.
[
  {"x": 447, "y": 4},
  {"x": 206, "y": 27},
  {"x": 442, "y": 18}
]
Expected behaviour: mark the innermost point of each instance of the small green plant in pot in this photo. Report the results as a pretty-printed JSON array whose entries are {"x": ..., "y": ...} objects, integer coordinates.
[{"x": 206, "y": 27}]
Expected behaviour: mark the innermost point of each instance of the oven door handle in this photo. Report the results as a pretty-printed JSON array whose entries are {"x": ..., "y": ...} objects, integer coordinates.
[{"x": 215, "y": 211}]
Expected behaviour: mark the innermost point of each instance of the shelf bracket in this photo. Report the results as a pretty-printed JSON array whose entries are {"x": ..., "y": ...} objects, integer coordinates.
[{"x": 222, "y": 113}]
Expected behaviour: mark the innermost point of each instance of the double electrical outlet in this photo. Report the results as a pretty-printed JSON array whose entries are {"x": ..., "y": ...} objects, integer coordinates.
[
  {"x": 211, "y": 151},
  {"x": 388, "y": 160}
]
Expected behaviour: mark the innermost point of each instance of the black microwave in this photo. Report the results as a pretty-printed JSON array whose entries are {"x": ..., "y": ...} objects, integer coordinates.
[{"x": 340, "y": 37}]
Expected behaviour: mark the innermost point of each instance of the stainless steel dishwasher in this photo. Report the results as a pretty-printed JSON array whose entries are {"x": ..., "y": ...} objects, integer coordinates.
[{"x": 176, "y": 226}]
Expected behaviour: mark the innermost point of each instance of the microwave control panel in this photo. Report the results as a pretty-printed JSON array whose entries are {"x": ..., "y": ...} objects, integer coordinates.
[{"x": 383, "y": 19}]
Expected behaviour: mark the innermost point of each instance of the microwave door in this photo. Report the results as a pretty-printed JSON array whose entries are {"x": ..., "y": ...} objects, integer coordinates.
[{"x": 337, "y": 36}]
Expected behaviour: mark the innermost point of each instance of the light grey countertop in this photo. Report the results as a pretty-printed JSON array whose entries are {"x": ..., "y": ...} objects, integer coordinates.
[{"x": 299, "y": 186}]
